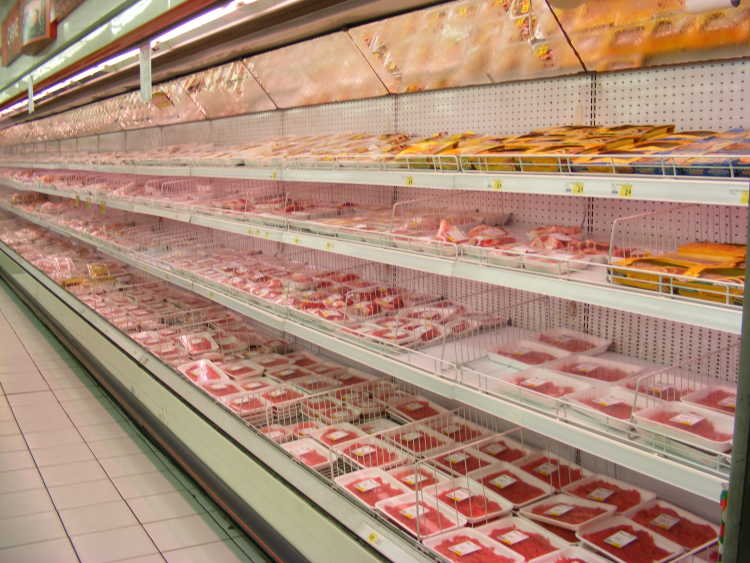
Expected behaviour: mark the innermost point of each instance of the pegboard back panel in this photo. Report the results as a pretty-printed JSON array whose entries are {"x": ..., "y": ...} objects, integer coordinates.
[
  {"x": 183, "y": 133},
  {"x": 374, "y": 115},
  {"x": 700, "y": 96},
  {"x": 112, "y": 142},
  {"x": 66, "y": 145},
  {"x": 245, "y": 128},
  {"x": 505, "y": 109},
  {"x": 88, "y": 144},
  {"x": 143, "y": 139}
]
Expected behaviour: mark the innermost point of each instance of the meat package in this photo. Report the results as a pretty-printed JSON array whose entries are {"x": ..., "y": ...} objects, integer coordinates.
[{"x": 469, "y": 545}]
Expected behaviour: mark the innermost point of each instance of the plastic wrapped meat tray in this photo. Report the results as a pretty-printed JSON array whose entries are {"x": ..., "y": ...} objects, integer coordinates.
[
  {"x": 675, "y": 524},
  {"x": 468, "y": 545},
  {"x": 422, "y": 516},
  {"x": 523, "y": 537},
  {"x": 595, "y": 369},
  {"x": 567, "y": 511},
  {"x": 599, "y": 488},
  {"x": 370, "y": 486},
  {"x": 574, "y": 341},
  {"x": 471, "y": 499},
  {"x": 609, "y": 405},
  {"x": 539, "y": 385},
  {"x": 511, "y": 483},
  {"x": 702, "y": 428},
  {"x": 309, "y": 452}
]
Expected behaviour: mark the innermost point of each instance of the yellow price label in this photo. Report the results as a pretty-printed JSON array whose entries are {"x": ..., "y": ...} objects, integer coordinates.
[
  {"x": 497, "y": 185},
  {"x": 409, "y": 180},
  {"x": 625, "y": 190},
  {"x": 266, "y": 235},
  {"x": 328, "y": 246},
  {"x": 296, "y": 240},
  {"x": 576, "y": 188},
  {"x": 77, "y": 202},
  {"x": 372, "y": 537},
  {"x": 102, "y": 207},
  {"x": 744, "y": 197},
  {"x": 274, "y": 175}
]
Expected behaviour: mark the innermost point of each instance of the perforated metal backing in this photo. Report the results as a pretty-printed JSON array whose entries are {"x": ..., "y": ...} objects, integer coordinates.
[
  {"x": 700, "y": 96},
  {"x": 143, "y": 139},
  {"x": 112, "y": 142},
  {"x": 90, "y": 144},
  {"x": 68, "y": 145},
  {"x": 181, "y": 133},
  {"x": 376, "y": 115},
  {"x": 235, "y": 130}
]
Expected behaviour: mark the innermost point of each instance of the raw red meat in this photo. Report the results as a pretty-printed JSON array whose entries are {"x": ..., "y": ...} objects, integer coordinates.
[
  {"x": 562, "y": 533},
  {"x": 288, "y": 373},
  {"x": 461, "y": 462},
  {"x": 302, "y": 429},
  {"x": 414, "y": 479},
  {"x": 502, "y": 451},
  {"x": 576, "y": 515},
  {"x": 336, "y": 436},
  {"x": 311, "y": 458},
  {"x": 281, "y": 395},
  {"x": 516, "y": 490},
  {"x": 417, "y": 441},
  {"x": 416, "y": 409},
  {"x": 412, "y": 515},
  {"x": 715, "y": 398},
  {"x": 544, "y": 387},
  {"x": 245, "y": 404},
  {"x": 373, "y": 489},
  {"x": 558, "y": 476},
  {"x": 683, "y": 532},
  {"x": 602, "y": 373},
  {"x": 471, "y": 506},
  {"x": 604, "y": 491},
  {"x": 641, "y": 550},
  {"x": 702, "y": 427},
  {"x": 482, "y": 555},
  {"x": 569, "y": 560},
  {"x": 533, "y": 545},
  {"x": 531, "y": 357},
  {"x": 460, "y": 432},
  {"x": 566, "y": 342},
  {"x": 220, "y": 388},
  {"x": 369, "y": 454},
  {"x": 549, "y": 229},
  {"x": 448, "y": 232},
  {"x": 621, "y": 410}
]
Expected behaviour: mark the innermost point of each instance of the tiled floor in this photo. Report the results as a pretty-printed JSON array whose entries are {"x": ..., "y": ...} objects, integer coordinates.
[{"x": 78, "y": 481}]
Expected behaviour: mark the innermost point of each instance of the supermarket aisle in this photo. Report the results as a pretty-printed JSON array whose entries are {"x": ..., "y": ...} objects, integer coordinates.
[{"x": 78, "y": 481}]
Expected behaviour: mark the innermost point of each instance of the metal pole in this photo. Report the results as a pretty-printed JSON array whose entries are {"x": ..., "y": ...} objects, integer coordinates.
[{"x": 737, "y": 517}]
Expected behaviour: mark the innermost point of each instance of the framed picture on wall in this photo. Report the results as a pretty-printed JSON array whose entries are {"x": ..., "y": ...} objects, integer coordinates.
[
  {"x": 11, "y": 31},
  {"x": 37, "y": 28}
]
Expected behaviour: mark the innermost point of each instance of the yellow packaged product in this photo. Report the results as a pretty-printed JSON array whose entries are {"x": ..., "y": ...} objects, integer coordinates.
[
  {"x": 716, "y": 251},
  {"x": 98, "y": 271},
  {"x": 711, "y": 285},
  {"x": 653, "y": 273}
]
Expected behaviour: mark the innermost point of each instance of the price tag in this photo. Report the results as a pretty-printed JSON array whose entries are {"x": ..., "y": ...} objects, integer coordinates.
[
  {"x": 513, "y": 537},
  {"x": 255, "y": 385},
  {"x": 687, "y": 419},
  {"x": 502, "y": 481},
  {"x": 600, "y": 494},
  {"x": 296, "y": 240},
  {"x": 665, "y": 521},
  {"x": 274, "y": 175},
  {"x": 286, "y": 372},
  {"x": 328, "y": 246},
  {"x": 624, "y": 190},
  {"x": 620, "y": 539},
  {"x": 456, "y": 458},
  {"x": 451, "y": 429},
  {"x": 87, "y": 204},
  {"x": 362, "y": 451},
  {"x": 411, "y": 512},
  {"x": 410, "y": 407},
  {"x": 77, "y": 202},
  {"x": 337, "y": 435},
  {"x": 102, "y": 208},
  {"x": 373, "y": 538},
  {"x": 585, "y": 368},
  {"x": 366, "y": 485},
  {"x": 546, "y": 469},
  {"x": 744, "y": 197},
  {"x": 410, "y": 436},
  {"x": 497, "y": 185},
  {"x": 414, "y": 479},
  {"x": 558, "y": 510},
  {"x": 576, "y": 188},
  {"x": 608, "y": 401},
  {"x": 464, "y": 548},
  {"x": 534, "y": 382},
  {"x": 495, "y": 449},
  {"x": 459, "y": 495},
  {"x": 729, "y": 402},
  {"x": 409, "y": 180}
]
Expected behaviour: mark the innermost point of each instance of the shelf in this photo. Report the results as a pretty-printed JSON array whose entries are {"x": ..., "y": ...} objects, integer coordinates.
[
  {"x": 590, "y": 288},
  {"x": 730, "y": 191},
  {"x": 705, "y": 476}
]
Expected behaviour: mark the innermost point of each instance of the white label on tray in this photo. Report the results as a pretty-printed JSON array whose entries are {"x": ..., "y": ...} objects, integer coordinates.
[
  {"x": 414, "y": 478},
  {"x": 665, "y": 521},
  {"x": 278, "y": 393},
  {"x": 337, "y": 414},
  {"x": 687, "y": 419},
  {"x": 546, "y": 469},
  {"x": 729, "y": 402},
  {"x": 451, "y": 429},
  {"x": 620, "y": 539},
  {"x": 459, "y": 494},
  {"x": 255, "y": 385},
  {"x": 608, "y": 401},
  {"x": 337, "y": 435},
  {"x": 286, "y": 372},
  {"x": 585, "y": 368},
  {"x": 465, "y": 548},
  {"x": 303, "y": 450},
  {"x": 601, "y": 494},
  {"x": 660, "y": 387},
  {"x": 411, "y": 512},
  {"x": 502, "y": 481},
  {"x": 362, "y": 451},
  {"x": 534, "y": 382},
  {"x": 513, "y": 537},
  {"x": 410, "y": 436},
  {"x": 558, "y": 510},
  {"x": 412, "y": 407},
  {"x": 456, "y": 458},
  {"x": 218, "y": 386},
  {"x": 495, "y": 449},
  {"x": 366, "y": 485}
]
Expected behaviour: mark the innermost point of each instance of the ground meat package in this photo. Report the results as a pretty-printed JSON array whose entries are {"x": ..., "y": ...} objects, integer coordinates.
[
  {"x": 574, "y": 341},
  {"x": 523, "y": 353},
  {"x": 628, "y": 542},
  {"x": 611, "y": 405},
  {"x": 705, "y": 429},
  {"x": 523, "y": 536},
  {"x": 474, "y": 501},
  {"x": 565, "y": 511},
  {"x": 419, "y": 440},
  {"x": 552, "y": 469},
  {"x": 370, "y": 486},
  {"x": 421, "y": 515},
  {"x": 541, "y": 386},
  {"x": 675, "y": 524},
  {"x": 372, "y": 452},
  {"x": 503, "y": 448},
  {"x": 721, "y": 398},
  {"x": 572, "y": 554},
  {"x": 599, "y": 488},
  {"x": 512, "y": 484},
  {"x": 310, "y": 452},
  {"x": 595, "y": 369},
  {"x": 468, "y": 545}
]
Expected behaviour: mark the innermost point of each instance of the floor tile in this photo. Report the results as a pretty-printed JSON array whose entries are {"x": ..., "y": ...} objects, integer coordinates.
[
  {"x": 30, "y": 528},
  {"x": 50, "y": 438},
  {"x": 107, "y": 431},
  {"x": 132, "y": 464},
  {"x": 113, "y": 545},
  {"x": 99, "y": 416},
  {"x": 82, "y": 405},
  {"x": 82, "y": 494},
  {"x": 20, "y": 480},
  {"x": 12, "y": 443},
  {"x": 154, "y": 558},
  {"x": 8, "y": 427},
  {"x": 97, "y": 518},
  {"x": 163, "y": 506},
  {"x": 145, "y": 484},
  {"x": 36, "y": 398},
  {"x": 24, "y": 384},
  {"x": 24, "y": 502},
  {"x": 183, "y": 532},
  {"x": 58, "y": 455},
  {"x": 55, "y": 551},
  {"x": 74, "y": 394},
  {"x": 54, "y": 422},
  {"x": 11, "y": 461},
  {"x": 115, "y": 447},
  {"x": 72, "y": 473},
  {"x": 224, "y": 551}
]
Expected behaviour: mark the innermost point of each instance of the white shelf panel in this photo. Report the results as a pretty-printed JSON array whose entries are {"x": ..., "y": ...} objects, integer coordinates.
[
  {"x": 680, "y": 190},
  {"x": 619, "y": 448},
  {"x": 579, "y": 288}
]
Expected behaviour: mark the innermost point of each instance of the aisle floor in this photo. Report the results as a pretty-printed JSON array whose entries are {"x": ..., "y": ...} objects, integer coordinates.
[{"x": 78, "y": 481}]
